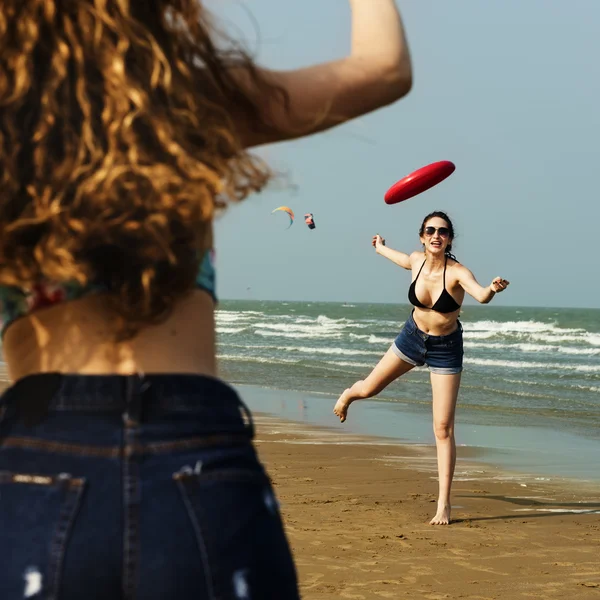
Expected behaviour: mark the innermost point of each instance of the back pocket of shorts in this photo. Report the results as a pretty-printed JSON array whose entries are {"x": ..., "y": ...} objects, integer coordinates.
[
  {"x": 240, "y": 534},
  {"x": 36, "y": 515}
]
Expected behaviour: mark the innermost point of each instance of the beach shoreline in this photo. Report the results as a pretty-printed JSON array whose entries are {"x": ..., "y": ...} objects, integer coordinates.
[
  {"x": 356, "y": 511},
  {"x": 503, "y": 452}
]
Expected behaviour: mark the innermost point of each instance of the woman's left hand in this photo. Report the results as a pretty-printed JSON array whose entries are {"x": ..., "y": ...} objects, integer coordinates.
[
  {"x": 378, "y": 242},
  {"x": 499, "y": 284}
]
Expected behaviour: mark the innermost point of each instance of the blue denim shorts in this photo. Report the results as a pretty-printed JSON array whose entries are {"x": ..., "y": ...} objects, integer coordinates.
[
  {"x": 443, "y": 354},
  {"x": 126, "y": 487}
]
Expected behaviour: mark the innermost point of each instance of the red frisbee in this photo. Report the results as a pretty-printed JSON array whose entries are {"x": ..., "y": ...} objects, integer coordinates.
[{"x": 418, "y": 181}]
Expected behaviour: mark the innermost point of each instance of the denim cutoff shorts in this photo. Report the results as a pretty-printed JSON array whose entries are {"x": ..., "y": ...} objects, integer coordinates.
[
  {"x": 127, "y": 487},
  {"x": 443, "y": 354}
]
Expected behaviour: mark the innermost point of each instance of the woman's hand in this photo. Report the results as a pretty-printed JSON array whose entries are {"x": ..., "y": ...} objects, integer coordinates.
[
  {"x": 378, "y": 242},
  {"x": 498, "y": 285},
  {"x": 467, "y": 281}
]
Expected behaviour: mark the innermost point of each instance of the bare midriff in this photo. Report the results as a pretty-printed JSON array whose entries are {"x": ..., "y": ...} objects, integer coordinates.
[
  {"x": 435, "y": 323},
  {"x": 80, "y": 337}
]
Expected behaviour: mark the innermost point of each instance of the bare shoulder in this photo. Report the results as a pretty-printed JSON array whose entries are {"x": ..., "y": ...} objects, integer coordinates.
[
  {"x": 417, "y": 257},
  {"x": 458, "y": 270}
]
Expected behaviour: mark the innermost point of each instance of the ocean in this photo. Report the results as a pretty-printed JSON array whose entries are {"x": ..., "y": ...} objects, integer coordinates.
[{"x": 531, "y": 378}]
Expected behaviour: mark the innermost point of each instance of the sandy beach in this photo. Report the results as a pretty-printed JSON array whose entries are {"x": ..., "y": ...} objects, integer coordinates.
[{"x": 356, "y": 511}]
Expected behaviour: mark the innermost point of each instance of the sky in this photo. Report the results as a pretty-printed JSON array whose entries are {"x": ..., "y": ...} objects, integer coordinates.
[{"x": 509, "y": 91}]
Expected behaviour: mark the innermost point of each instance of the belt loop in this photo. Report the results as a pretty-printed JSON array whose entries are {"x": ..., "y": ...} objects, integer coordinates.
[
  {"x": 248, "y": 418},
  {"x": 133, "y": 400}
]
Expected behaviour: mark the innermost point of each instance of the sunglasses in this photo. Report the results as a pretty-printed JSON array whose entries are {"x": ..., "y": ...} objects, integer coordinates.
[{"x": 443, "y": 231}]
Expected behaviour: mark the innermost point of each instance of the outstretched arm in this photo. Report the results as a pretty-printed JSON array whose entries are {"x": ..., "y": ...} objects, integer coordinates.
[
  {"x": 400, "y": 258},
  {"x": 376, "y": 73},
  {"x": 481, "y": 294}
]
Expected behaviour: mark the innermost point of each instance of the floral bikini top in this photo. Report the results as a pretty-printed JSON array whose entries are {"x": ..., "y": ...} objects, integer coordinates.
[{"x": 16, "y": 302}]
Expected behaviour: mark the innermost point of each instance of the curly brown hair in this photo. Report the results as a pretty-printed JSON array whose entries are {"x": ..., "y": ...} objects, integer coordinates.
[{"x": 116, "y": 146}]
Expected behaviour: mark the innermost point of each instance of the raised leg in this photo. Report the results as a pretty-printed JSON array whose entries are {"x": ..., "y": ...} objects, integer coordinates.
[
  {"x": 445, "y": 394},
  {"x": 390, "y": 367}
]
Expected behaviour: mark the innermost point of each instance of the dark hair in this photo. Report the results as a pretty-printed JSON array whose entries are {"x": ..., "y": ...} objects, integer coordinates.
[
  {"x": 441, "y": 215},
  {"x": 113, "y": 161}
]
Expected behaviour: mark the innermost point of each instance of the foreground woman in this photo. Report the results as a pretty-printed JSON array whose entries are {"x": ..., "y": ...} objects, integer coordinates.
[
  {"x": 127, "y": 468},
  {"x": 431, "y": 336}
]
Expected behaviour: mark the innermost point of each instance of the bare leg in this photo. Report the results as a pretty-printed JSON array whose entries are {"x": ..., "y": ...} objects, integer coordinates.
[
  {"x": 445, "y": 394},
  {"x": 390, "y": 367}
]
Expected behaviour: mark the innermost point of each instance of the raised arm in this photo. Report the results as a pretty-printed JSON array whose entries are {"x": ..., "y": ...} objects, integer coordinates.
[
  {"x": 471, "y": 286},
  {"x": 400, "y": 258},
  {"x": 376, "y": 73}
]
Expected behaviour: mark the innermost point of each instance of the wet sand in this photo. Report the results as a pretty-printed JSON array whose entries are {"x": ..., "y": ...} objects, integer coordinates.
[{"x": 357, "y": 509}]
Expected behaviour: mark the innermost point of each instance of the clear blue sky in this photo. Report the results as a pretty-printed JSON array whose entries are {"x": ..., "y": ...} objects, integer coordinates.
[{"x": 509, "y": 91}]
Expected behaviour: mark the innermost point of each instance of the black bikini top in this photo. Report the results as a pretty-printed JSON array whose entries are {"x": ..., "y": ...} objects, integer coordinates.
[{"x": 445, "y": 303}]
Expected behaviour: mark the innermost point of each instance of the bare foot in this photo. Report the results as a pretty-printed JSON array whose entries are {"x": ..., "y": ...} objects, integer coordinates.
[
  {"x": 442, "y": 516},
  {"x": 341, "y": 406}
]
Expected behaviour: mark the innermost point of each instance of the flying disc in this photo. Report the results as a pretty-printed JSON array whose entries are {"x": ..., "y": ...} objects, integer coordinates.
[{"x": 419, "y": 181}]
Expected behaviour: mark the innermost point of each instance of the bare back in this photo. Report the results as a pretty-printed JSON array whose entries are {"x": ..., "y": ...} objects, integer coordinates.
[{"x": 79, "y": 337}]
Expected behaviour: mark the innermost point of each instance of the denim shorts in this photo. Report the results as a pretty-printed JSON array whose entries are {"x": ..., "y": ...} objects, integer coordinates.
[
  {"x": 135, "y": 487},
  {"x": 443, "y": 354}
]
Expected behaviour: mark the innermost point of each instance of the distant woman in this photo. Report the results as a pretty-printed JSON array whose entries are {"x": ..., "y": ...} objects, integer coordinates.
[{"x": 431, "y": 336}]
